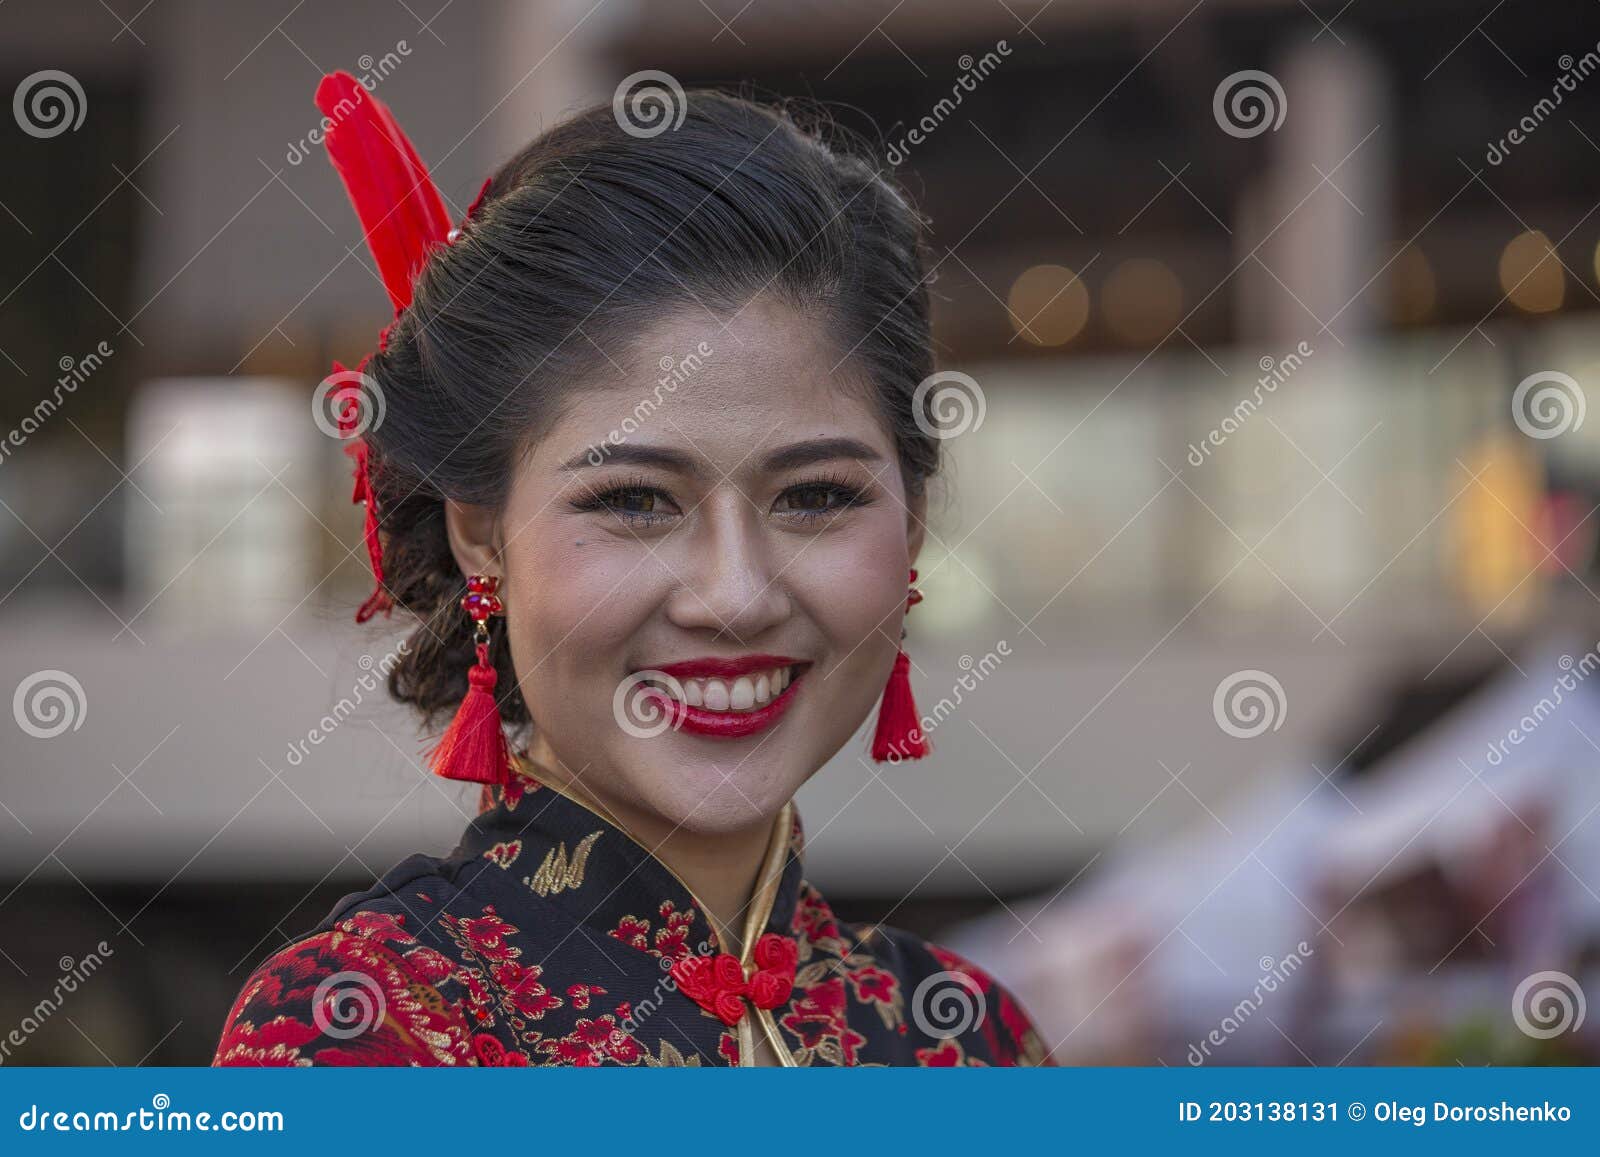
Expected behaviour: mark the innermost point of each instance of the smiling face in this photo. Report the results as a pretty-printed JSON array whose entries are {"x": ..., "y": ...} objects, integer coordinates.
[{"x": 732, "y": 555}]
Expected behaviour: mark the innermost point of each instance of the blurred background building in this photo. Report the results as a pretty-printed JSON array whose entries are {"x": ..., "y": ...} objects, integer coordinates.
[{"x": 1263, "y": 596}]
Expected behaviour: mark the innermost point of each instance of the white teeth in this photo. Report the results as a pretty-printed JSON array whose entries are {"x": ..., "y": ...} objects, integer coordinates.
[{"x": 746, "y": 693}]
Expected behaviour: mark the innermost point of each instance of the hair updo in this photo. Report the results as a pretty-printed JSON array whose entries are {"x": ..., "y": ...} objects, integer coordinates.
[{"x": 591, "y": 234}]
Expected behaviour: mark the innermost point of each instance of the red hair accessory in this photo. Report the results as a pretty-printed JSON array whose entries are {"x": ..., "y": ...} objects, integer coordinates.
[
  {"x": 899, "y": 735},
  {"x": 473, "y": 747},
  {"x": 356, "y": 447},
  {"x": 399, "y": 206},
  {"x": 404, "y": 219}
]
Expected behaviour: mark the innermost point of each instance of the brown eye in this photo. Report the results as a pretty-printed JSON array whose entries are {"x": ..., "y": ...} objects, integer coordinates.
[
  {"x": 636, "y": 504},
  {"x": 810, "y": 499},
  {"x": 819, "y": 499},
  {"x": 633, "y": 501}
]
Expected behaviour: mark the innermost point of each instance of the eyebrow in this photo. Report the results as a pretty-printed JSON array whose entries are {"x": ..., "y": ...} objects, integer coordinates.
[{"x": 784, "y": 458}]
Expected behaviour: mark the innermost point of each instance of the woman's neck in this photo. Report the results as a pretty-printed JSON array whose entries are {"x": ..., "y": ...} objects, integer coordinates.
[{"x": 720, "y": 870}]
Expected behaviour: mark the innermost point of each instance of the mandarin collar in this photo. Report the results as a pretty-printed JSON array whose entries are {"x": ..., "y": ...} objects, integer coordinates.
[{"x": 568, "y": 853}]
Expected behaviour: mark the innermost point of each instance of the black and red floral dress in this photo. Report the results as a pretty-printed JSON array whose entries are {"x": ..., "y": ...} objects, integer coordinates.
[{"x": 550, "y": 937}]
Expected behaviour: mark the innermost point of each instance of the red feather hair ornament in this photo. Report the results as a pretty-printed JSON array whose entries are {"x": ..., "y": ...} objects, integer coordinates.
[{"x": 404, "y": 220}]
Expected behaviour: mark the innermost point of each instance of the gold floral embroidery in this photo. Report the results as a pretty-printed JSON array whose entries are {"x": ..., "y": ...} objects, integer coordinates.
[
  {"x": 558, "y": 873},
  {"x": 671, "y": 1058}
]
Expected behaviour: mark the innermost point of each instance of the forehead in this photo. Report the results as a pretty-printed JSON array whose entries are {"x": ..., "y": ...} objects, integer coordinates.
[{"x": 722, "y": 388}]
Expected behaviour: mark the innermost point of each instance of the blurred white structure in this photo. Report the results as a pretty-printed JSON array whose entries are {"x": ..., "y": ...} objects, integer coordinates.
[{"x": 233, "y": 465}]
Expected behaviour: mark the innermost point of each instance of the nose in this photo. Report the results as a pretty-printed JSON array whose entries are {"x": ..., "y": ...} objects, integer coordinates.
[{"x": 728, "y": 583}]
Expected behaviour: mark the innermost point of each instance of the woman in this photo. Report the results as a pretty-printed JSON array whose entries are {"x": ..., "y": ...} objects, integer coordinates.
[{"x": 651, "y": 473}]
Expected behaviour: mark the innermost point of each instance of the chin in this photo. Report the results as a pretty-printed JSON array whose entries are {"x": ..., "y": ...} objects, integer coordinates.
[{"x": 712, "y": 793}]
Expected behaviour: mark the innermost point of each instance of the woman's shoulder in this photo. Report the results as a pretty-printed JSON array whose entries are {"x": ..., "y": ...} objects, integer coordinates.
[
  {"x": 360, "y": 989},
  {"x": 948, "y": 994},
  {"x": 341, "y": 997},
  {"x": 941, "y": 993}
]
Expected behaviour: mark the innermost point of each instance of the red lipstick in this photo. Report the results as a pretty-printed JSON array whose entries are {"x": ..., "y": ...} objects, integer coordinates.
[{"x": 727, "y": 724}]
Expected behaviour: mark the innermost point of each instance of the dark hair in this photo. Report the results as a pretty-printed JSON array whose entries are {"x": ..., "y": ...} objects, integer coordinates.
[{"x": 580, "y": 238}]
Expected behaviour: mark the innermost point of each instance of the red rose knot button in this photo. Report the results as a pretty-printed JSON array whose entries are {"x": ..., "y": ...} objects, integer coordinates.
[{"x": 718, "y": 983}]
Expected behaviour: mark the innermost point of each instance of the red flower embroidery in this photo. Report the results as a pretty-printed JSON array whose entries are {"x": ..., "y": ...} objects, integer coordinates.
[
  {"x": 379, "y": 927},
  {"x": 813, "y": 918},
  {"x": 275, "y": 1043},
  {"x": 581, "y": 994},
  {"x": 521, "y": 982},
  {"x": 944, "y": 1055},
  {"x": 874, "y": 984},
  {"x": 633, "y": 932},
  {"x": 671, "y": 940},
  {"x": 592, "y": 1043},
  {"x": 818, "y": 1015},
  {"x": 504, "y": 853},
  {"x": 486, "y": 935},
  {"x": 569, "y": 1050},
  {"x": 429, "y": 963},
  {"x": 491, "y": 1052}
]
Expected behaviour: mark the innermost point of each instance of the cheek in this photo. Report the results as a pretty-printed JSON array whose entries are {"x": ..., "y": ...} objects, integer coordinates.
[
  {"x": 853, "y": 586},
  {"x": 572, "y": 602}
]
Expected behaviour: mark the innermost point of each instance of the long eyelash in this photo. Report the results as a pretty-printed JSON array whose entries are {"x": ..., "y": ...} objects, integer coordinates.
[
  {"x": 851, "y": 494},
  {"x": 601, "y": 499}
]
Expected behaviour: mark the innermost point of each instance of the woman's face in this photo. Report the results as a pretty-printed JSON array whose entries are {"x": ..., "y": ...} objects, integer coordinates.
[{"x": 726, "y": 514}]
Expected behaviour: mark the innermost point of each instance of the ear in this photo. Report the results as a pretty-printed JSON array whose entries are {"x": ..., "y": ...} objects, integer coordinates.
[
  {"x": 916, "y": 524},
  {"x": 474, "y": 536}
]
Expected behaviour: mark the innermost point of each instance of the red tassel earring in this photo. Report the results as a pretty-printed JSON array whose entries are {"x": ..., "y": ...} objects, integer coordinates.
[
  {"x": 899, "y": 735},
  {"x": 474, "y": 747}
]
